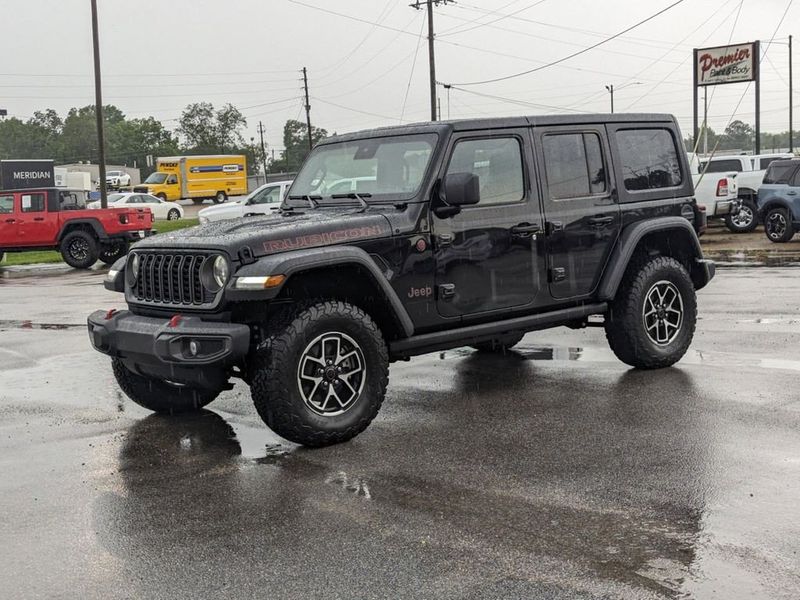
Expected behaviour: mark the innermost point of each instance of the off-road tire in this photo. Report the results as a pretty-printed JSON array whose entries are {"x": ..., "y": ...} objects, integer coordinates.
[
  {"x": 111, "y": 253},
  {"x": 625, "y": 321},
  {"x": 160, "y": 396},
  {"x": 777, "y": 234},
  {"x": 500, "y": 345},
  {"x": 735, "y": 224},
  {"x": 220, "y": 197},
  {"x": 79, "y": 249},
  {"x": 173, "y": 215},
  {"x": 274, "y": 369}
]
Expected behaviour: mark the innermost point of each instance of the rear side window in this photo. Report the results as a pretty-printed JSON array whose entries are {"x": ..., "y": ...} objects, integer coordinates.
[
  {"x": 6, "y": 205},
  {"x": 32, "y": 203},
  {"x": 779, "y": 173},
  {"x": 649, "y": 159},
  {"x": 765, "y": 162},
  {"x": 724, "y": 166},
  {"x": 574, "y": 165}
]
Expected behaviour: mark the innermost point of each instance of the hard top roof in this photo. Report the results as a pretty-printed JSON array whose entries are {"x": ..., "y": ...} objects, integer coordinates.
[{"x": 502, "y": 123}]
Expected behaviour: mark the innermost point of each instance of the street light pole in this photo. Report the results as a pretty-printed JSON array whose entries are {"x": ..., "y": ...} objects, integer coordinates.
[
  {"x": 610, "y": 89},
  {"x": 98, "y": 108}
]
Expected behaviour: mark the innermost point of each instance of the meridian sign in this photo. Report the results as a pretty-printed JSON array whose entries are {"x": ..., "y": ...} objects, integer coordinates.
[
  {"x": 735, "y": 63},
  {"x": 725, "y": 64}
]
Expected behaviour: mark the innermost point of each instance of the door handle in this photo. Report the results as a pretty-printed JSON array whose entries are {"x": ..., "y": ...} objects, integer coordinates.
[
  {"x": 525, "y": 229},
  {"x": 601, "y": 220},
  {"x": 38, "y": 218},
  {"x": 11, "y": 220}
]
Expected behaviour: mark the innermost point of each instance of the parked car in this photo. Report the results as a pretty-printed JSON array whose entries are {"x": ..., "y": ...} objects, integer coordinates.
[
  {"x": 749, "y": 171},
  {"x": 169, "y": 211},
  {"x": 475, "y": 233},
  {"x": 262, "y": 201},
  {"x": 117, "y": 179},
  {"x": 57, "y": 219},
  {"x": 716, "y": 191},
  {"x": 779, "y": 200}
]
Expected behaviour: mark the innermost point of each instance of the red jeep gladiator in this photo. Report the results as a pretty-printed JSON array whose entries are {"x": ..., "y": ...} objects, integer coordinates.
[{"x": 53, "y": 218}]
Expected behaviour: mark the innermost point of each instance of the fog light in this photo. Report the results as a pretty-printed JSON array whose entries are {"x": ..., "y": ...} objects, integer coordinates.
[{"x": 194, "y": 347}]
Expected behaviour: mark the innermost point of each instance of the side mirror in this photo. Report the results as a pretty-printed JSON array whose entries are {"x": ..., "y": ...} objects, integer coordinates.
[{"x": 458, "y": 189}]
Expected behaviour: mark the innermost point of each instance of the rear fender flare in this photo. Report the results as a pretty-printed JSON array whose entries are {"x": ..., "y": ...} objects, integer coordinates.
[
  {"x": 93, "y": 223},
  {"x": 629, "y": 242},
  {"x": 298, "y": 261}
]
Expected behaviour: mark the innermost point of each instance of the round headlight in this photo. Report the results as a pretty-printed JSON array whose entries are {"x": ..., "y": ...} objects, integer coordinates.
[
  {"x": 221, "y": 271},
  {"x": 134, "y": 266}
]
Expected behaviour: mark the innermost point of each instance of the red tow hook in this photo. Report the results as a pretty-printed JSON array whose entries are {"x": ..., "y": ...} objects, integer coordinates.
[
  {"x": 111, "y": 313},
  {"x": 175, "y": 321}
]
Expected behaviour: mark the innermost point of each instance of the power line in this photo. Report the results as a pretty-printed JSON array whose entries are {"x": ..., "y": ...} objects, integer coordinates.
[
  {"x": 411, "y": 75},
  {"x": 574, "y": 54},
  {"x": 489, "y": 23}
]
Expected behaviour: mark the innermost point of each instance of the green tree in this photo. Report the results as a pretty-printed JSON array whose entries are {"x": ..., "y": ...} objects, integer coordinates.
[
  {"x": 295, "y": 144},
  {"x": 738, "y": 136},
  {"x": 205, "y": 130}
]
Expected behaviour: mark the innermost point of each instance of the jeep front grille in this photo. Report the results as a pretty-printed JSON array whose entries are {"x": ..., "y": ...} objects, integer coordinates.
[{"x": 171, "y": 279}]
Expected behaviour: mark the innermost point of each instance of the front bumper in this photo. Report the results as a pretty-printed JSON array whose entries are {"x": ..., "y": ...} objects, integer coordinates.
[
  {"x": 134, "y": 236},
  {"x": 184, "y": 350}
]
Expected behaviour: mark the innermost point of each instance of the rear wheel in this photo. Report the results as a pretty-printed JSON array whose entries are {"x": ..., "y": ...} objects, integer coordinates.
[
  {"x": 500, "y": 345},
  {"x": 110, "y": 253},
  {"x": 173, "y": 214},
  {"x": 79, "y": 249},
  {"x": 158, "y": 395},
  {"x": 778, "y": 225},
  {"x": 321, "y": 377},
  {"x": 745, "y": 220},
  {"x": 652, "y": 319},
  {"x": 220, "y": 197}
]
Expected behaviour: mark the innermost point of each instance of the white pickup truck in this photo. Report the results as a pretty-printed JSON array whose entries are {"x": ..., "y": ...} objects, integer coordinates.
[
  {"x": 748, "y": 169},
  {"x": 716, "y": 191}
]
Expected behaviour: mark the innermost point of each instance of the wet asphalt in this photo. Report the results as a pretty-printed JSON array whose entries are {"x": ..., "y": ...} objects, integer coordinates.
[{"x": 551, "y": 472}]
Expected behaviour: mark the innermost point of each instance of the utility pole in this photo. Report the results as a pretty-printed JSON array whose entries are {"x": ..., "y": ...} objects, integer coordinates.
[
  {"x": 610, "y": 89},
  {"x": 431, "y": 54},
  {"x": 791, "y": 108},
  {"x": 705, "y": 120},
  {"x": 98, "y": 108},
  {"x": 448, "y": 87},
  {"x": 308, "y": 109},
  {"x": 263, "y": 151}
]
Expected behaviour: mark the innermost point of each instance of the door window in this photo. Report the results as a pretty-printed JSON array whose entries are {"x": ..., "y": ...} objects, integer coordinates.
[
  {"x": 498, "y": 164},
  {"x": 6, "y": 205},
  {"x": 779, "y": 173},
  {"x": 33, "y": 203},
  {"x": 649, "y": 159},
  {"x": 574, "y": 165},
  {"x": 723, "y": 166},
  {"x": 268, "y": 196},
  {"x": 172, "y": 179}
]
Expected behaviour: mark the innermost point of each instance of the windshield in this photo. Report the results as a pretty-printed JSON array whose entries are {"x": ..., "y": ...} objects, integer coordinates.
[
  {"x": 115, "y": 197},
  {"x": 156, "y": 178},
  {"x": 387, "y": 168},
  {"x": 113, "y": 173}
]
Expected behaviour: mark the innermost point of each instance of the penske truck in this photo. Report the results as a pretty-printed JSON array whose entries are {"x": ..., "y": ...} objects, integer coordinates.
[{"x": 197, "y": 177}]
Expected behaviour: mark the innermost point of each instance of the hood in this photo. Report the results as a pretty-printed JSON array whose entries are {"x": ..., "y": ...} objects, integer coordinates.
[
  {"x": 271, "y": 234},
  {"x": 227, "y": 207}
]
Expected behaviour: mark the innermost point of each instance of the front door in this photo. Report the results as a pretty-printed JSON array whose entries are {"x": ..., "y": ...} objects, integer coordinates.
[
  {"x": 581, "y": 211},
  {"x": 487, "y": 255}
]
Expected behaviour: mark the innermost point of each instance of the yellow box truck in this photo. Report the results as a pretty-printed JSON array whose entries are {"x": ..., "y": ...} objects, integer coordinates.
[{"x": 197, "y": 177}]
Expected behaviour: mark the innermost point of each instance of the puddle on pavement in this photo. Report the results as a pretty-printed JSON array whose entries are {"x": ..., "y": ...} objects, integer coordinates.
[
  {"x": 259, "y": 444},
  {"x": 24, "y": 324},
  {"x": 754, "y": 258}
]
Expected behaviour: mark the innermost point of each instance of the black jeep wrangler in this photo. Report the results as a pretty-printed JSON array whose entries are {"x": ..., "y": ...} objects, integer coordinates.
[{"x": 400, "y": 241}]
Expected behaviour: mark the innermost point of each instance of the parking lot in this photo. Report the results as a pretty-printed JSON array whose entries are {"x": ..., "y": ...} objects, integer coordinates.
[{"x": 552, "y": 471}]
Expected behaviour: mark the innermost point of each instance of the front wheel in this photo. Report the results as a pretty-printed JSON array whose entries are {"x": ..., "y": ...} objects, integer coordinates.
[
  {"x": 173, "y": 215},
  {"x": 778, "y": 225},
  {"x": 321, "y": 377},
  {"x": 652, "y": 319},
  {"x": 158, "y": 395},
  {"x": 79, "y": 249},
  {"x": 220, "y": 198},
  {"x": 745, "y": 220},
  {"x": 110, "y": 253}
]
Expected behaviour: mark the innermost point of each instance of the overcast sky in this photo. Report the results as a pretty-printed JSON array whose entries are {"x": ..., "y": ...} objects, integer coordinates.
[{"x": 158, "y": 56}]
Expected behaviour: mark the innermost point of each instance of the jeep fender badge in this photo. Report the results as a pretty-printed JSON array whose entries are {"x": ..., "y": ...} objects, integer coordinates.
[{"x": 421, "y": 245}]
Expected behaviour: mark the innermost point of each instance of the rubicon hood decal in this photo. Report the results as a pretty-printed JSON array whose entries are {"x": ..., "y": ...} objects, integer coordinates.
[{"x": 338, "y": 236}]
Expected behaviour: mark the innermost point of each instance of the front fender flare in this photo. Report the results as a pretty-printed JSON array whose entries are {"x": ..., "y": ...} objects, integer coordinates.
[
  {"x": 298, "y": 261},
  {"x": 628, "y": 242}
]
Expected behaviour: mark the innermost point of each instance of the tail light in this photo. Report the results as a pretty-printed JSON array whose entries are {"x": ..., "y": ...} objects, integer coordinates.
[
  {"x": 722, "y": 187},
  {"x": 152, "y": 217},
  {"x": 123, "y": 219}
]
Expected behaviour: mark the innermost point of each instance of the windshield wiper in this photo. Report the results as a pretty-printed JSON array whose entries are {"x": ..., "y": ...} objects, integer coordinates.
[
  {"x": 356, "y": 196},
  {"x": 312, "y": 200}
]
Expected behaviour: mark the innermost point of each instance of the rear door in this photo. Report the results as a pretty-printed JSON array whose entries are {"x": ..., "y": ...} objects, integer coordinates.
[
  {"x": 581, "y": 213},
  {"x": 8, "y": 220},
  {"x": 35, "y": 225},
  {"x": 487, "y": 256}
]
